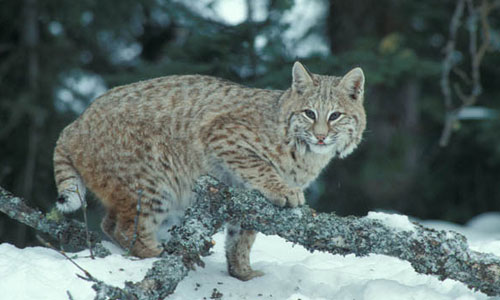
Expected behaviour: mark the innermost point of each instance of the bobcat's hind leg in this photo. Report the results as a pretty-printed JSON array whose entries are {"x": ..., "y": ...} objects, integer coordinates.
[
  {"x": 139, "y": 237},
  {"x": 238, "y": 245},
  {"x": 108, "y": 224}
]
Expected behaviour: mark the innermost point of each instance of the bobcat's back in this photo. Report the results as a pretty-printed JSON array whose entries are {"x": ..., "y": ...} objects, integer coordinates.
[{"x": 148, "y": 135}]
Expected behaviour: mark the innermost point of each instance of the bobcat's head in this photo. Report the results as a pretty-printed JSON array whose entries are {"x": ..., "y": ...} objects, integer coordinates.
[{"x": 325, "y": 113}]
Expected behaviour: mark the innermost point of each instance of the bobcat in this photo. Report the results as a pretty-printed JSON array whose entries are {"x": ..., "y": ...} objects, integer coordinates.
[{"x": 153, "y": 139}]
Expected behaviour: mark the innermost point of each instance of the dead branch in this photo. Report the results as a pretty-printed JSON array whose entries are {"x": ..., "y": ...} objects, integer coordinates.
[
  {"x": 160, "y": 281},
  {"x": 441, "y": 253},
  {"x": 477, "y": 17},
  {"x": 70, "y": 233}
]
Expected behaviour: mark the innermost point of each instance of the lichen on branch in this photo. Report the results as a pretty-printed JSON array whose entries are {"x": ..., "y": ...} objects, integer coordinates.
[{"x": 441, "y": 253}]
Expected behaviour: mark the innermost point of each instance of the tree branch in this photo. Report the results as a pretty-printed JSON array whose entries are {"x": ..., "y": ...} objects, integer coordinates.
[
  {"x": 440, "y": 253},
  {"x": 477, "y": 17},
  {"x": 70, "y": 233}
]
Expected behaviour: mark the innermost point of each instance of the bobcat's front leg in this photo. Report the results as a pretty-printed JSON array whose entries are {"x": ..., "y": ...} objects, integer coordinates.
[
  {"x": 263, "y": 177},
  {"x": 274, "y": 189}
]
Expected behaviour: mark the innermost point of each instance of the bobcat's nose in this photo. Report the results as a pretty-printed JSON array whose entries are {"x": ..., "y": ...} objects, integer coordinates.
[{"x": 321, "y": 138}]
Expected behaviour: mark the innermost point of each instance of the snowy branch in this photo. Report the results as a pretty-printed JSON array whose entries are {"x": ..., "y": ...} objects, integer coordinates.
[
  {"x": 440, "y": 253},
  {"x": 70, "y": 233},
  {"x": 159, "y": 282}
]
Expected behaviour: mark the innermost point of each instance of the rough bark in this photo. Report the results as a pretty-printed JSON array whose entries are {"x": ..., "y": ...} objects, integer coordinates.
[
  {"x": 442, "y": 253},
  {"x": 159, "y": 282},
  {"x": 429, "y": 251},
  {"x": 70, "y": 233}
]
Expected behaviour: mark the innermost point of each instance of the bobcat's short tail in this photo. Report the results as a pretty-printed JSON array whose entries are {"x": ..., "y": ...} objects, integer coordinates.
[{"x": 70, "y": 186}]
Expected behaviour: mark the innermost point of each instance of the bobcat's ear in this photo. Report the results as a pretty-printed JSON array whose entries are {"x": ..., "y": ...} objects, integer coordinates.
[
  {"x": 301, "y": 77},
  {"x": 353, "y": 83}
]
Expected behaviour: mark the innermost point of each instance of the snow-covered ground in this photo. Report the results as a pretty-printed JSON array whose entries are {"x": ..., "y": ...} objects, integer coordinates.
[{"x": 291, "y": 272}]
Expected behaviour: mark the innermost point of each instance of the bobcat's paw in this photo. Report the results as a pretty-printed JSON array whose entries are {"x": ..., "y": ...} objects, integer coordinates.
[
  {"x": 143, "y": 250},
  {"x": 295, "y": 197},
  {"x": 290, "y": 197},
  {"x": 277, "y": 200},
  {"x": 246, "y": 275}
]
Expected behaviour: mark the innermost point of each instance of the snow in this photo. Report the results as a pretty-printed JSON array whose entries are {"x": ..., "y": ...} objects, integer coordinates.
[
  {"x": 399, "y": 222},
  {"x": 292, "y": 272},
  {"x": 42, "y": 273},
  {"x": 482, "y": 232}
]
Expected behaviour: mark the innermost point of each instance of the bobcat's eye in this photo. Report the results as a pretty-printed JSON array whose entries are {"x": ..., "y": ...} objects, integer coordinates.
[
  {"x": 334, "y": 116},
  {"x": 310, "y": 114}
]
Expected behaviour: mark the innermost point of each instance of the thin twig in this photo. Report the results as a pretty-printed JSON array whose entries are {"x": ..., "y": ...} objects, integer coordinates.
[
  {"x": 49, "y": 245},
  {"x": 476, "y": 56},
  {"x": 84, "y": 210},
  {"x": 485, "y": 9},
  {"x": 101, "y": 287},
  {"x": 136, "y": 222},
  {"x": 448, "y": 64},
  {"x": 476, "y": 77},
  {"x": 70, "y": 297},
  {"x": 462, "y": 75},
  {"x": 448, "y": 61}
]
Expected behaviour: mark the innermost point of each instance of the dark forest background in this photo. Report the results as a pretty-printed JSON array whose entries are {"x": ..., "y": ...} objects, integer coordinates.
[{"x": 57, "y": 55}]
